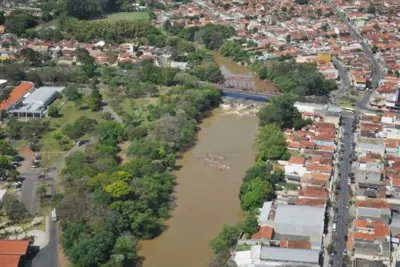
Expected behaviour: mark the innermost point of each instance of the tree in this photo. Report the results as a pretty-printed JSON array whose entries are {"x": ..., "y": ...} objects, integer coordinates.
[
  {"x": 4, "y": 165},
  {"x": 41, "y": 192},
  {"x": 289, "y": 38},
  {"x": 33, "y": 76},
  {"x": 95, "y": 100},
  {"x": 53, "y": 111},
  {"x": 371, "y": 9},
  {"x": 73, "y": 233},
  {"x": 80, "y": 127},
  {"x": 58, "y": 136},
  {"x": 92, "y": 251},
  {"x": 254, "y": 193},
  {"x": 14, "y": 128},
  {"x": 84, "y": 9},
  {"x": 301, "y": 2},
  {"x": 374, "y": 49},
  {"x": 225, "y": 239},
  {"x": 177, "y": 129},
  {"x": 250, "y": 224},
  {"x": 6, "y": 149},
  {"x": 15, "y": 210},
  {"x": 19, "y": 21},
  {"x": 118, "y": 189},
  {"x": 12, "y": 72},
  {"x": 282, "y": 112},
  {"x": 270, "y": 143},
  {"x": 2, "y": 18},
  {"x": 126, "y": 246},
  {"x": 72, "y": 93},
  {"x": 208, "y": 71},
  {"x": 32, "y": 57},
  {"x": 110, "y": 132}
]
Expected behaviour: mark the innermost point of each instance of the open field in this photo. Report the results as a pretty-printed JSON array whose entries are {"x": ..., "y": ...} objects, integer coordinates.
[{"x": 126, "y": 16}]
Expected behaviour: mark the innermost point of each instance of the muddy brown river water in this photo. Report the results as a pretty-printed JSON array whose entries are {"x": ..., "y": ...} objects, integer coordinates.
[
  {"x": 208, "y": 183},
  {"x": 206, "y": 196}
]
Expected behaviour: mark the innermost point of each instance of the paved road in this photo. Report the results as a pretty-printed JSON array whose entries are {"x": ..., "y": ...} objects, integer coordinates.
[
  {"x": 28, "y": 193},
  {"x": 345, "y": 80},
  {"x": 376, "y": 69},
  {"x": 377, "y": 72},
  {"x": 343, "y": 199},
  {"x": 48, "y": 256}
]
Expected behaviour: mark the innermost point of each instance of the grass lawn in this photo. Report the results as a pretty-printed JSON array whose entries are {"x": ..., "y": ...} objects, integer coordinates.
[
  {"x": 345, "y": 103},
  {"x": 51, "y": 149},
  {"x": 126, "y": 16}
]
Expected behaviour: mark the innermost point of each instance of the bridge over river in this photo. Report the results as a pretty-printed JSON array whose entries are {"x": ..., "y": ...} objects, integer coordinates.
[{"x": 244, "y": 87}]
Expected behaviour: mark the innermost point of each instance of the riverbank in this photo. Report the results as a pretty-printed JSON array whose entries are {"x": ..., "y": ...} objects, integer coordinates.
[{"x": 206, "y": 196}]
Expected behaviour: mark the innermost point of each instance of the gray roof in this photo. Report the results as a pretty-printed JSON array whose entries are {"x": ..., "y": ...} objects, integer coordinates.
[
  {"x": 367, "y": 146},
  {"x": 264, "y": 212},
  {"x": 36, "y": 100},
  {"x": 367, "y": 263},
  {"x": 299, "y": 220},
  {"x": 289, "y": 255},
  {"x": 369, "y": 212},
  {"x": 368, "y": 177}
]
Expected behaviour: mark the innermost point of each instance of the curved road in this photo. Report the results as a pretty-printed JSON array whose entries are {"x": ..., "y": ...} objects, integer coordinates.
[{"x": 377, "y": 73}]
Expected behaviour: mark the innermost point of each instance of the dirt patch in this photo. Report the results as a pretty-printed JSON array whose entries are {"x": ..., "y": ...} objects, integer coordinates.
[
  {"x": 123, "y": 153},
  {"x": 62, "y": 259},
  {"x": 26, "y": 153}
]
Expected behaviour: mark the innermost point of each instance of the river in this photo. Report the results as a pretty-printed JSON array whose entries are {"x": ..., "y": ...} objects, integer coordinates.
[
  {"x": 230, "y": 68},
  {"x": 206, "y": 196}
]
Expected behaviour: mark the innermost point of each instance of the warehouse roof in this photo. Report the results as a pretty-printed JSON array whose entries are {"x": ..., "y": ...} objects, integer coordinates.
[
  {"x": 295, "y": 220},
  {"x": 36, "y": 100},
  {"x": 288, "y": 254}
]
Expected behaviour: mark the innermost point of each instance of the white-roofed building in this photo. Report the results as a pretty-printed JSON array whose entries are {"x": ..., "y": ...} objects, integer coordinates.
[
  {"x": 35, "y": 102},
  {"x": 261, "y": 256}
]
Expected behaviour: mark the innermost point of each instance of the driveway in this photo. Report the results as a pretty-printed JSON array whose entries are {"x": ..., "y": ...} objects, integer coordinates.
[{"x": 28, "y": 194}]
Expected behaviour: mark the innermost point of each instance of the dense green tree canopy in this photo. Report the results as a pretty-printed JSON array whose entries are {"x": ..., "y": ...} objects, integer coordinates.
[
  {"x": 297, "y": 79},
  {"x": 19, "y": 21},
  {"x": 282, "y": 112},
  {"x": 270, "y": 143}
]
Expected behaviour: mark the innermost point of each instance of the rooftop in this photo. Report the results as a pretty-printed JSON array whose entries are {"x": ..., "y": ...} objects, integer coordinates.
[
  {"x": 16, "y": 94},
  {"x": 297, "y": 160},
  {"x": 13, "y": 247},
  {"x": 295, "y": 220},
  {"x": 285, "y": 254},
  {"x": 368, "y": 177},
  {"x": 36, "y": 100}
]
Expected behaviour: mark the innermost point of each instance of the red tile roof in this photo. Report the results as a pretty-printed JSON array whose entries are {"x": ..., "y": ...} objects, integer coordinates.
[
  {"x": 320, "y": 168},
  {"x": 9, "y": 260},
  {"x": 370, "y": 230},
  {"x": 16, "y": 94},
  {"x": 297, "y": 160},
  {"x": 303, "y": 244},
  {"x": 264, "y": 232},
  {"x": 314, "y": 192},
  {"x": 373, "y": 203},
  {"x": 310, "y": 202},
  {"x": 13, "y": 247}
]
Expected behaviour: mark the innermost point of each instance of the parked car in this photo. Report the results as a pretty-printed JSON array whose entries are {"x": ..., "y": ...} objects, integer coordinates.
[{"x": 18, "y": 185}]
